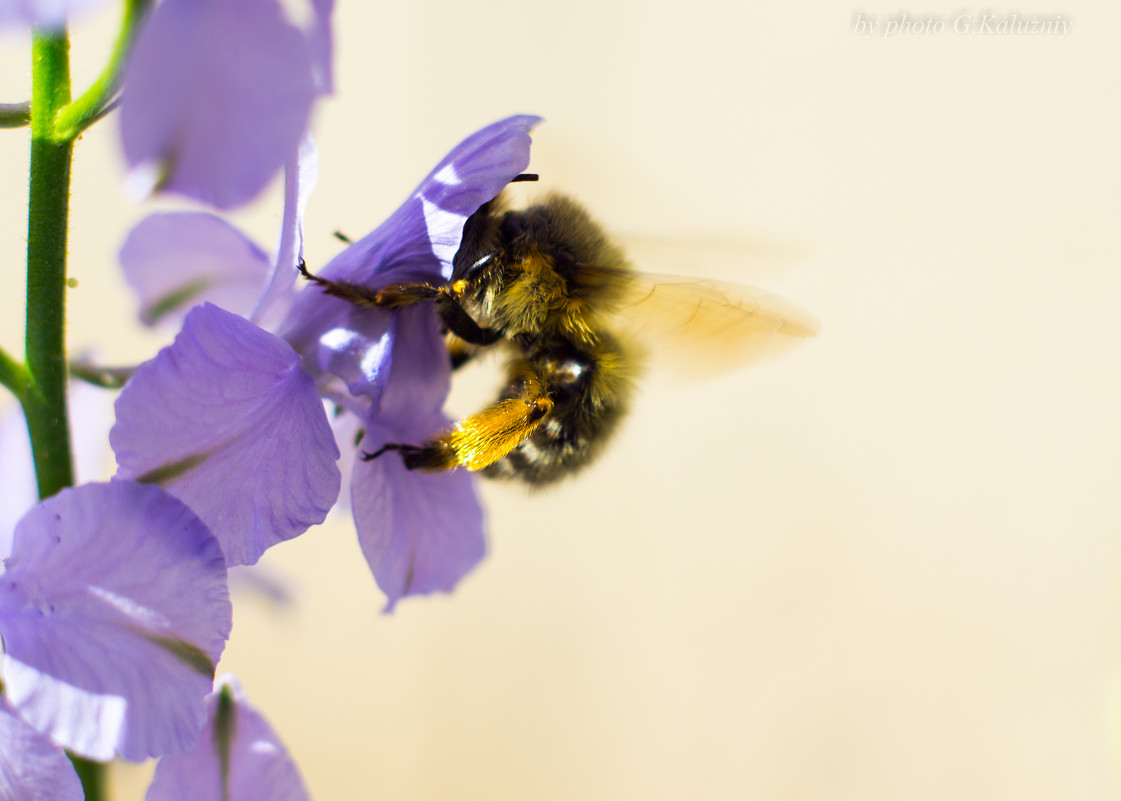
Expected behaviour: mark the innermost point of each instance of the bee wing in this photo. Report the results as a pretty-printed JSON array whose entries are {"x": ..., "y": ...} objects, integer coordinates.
[{"x": 702, "y": 327}]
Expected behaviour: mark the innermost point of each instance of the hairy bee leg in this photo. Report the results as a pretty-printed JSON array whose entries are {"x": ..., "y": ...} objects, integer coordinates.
[
  {"x": 412, "y": 455},
  {"x": 396, "y": 296},
  {"x": 462, "y": 324},
  {"x": 481, "y": 439},
  {"x": 390, "y": 297}
]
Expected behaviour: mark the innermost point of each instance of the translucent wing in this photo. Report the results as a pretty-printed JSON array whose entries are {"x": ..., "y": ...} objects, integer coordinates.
[{"x": 700, "y": 327}]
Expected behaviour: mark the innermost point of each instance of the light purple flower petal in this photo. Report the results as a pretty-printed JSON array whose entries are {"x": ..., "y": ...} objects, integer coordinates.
[
  {"x": 238, "y": 758},
  {"x": 362, "y": 359},
  {"x": 114, "y": 612},
  {"x": 174, "y": 261},
  {"x": 420, "y": 532},
  {"x": 226, "y": 420},
  {"x": 323, "y": 45},
  {"x": 474, "y": 172},
  {"x": 420, "y": 375},
  {"x": 419, "y": 240},
  {"x": 31, "y": 766},
  {"x": 47, "y": 14},
  {"x": 217, "y": 96},
  {"x": 300, "y": 174},
  {"x": 411, "y": 340}
]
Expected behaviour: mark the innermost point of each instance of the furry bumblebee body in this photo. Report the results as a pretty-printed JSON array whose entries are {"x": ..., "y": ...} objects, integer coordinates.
[
  {"x": 523, "y": 275},
  {"x": 546, "y": 283}
]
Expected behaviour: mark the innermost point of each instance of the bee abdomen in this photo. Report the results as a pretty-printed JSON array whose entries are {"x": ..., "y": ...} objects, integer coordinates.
[{"x": 589, "y": 398}]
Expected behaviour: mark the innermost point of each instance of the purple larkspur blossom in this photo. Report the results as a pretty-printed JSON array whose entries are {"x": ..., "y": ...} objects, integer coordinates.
[
  {"x": 245, "y": 405},
  {"x": 239, "y": 757},
  {"x": 114, "y": 612},
  {"x": 227, "y": 421},
  {"x": 222, "y": 267},
  {"x": 420, "y": 532},
  {"x": 217, "y": 95}
]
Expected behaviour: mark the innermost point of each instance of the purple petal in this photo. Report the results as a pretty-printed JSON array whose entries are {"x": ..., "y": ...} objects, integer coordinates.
[
  {"x": 411, "y": 345},
  {"x": 237, "y": 739},
  {"x": 31, "y": 766},
  {"x": 418, "y": 240},
  {"x": 49, "y": 14},
  {"x": 300, "y": 174},
  {"x": 174, "y": 261},
  {"x": 226, "y": 420},
  {"x": 420, "y": 532},
  {"x": 114, "y": 611},
  {"x": 362, "y": 359},
  {"x": 420, "y": 376},
  {"x": 323, "y": 45},
  {"x": 217, "y": 95},
  {"x": 474, "y": 172}
]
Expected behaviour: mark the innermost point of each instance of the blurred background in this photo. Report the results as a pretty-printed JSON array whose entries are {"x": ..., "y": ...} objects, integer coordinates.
[{"x": 884, "y": 567}]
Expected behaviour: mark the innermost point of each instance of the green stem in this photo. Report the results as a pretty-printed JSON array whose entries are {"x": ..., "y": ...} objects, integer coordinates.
[
  {"x": 14, "y": 375},
  {"x": 92, "y": 775},
  {"x": 104, "y": 377},
  {"x": 15, "y": 115},
  {"x": 48, "y": 211},
  {"x": 44, "y": 402},
  {"x": 96, "y": 100}
]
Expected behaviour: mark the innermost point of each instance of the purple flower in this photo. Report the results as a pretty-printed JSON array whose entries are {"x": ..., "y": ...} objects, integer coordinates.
[
  {"x": 31, "y": 766},
  {"x": 227, "y": 421},
  {"x": 420, "y": 532},
  {"x": 218, "y": 94},
  {"x": 222, "y": 266},
  {"x": 238, "y": 757},
  {"x": 114, "y": 612}
]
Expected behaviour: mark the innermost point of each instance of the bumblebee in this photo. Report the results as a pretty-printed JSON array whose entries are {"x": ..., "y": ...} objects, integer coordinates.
[{"x": 547, "y": 284}]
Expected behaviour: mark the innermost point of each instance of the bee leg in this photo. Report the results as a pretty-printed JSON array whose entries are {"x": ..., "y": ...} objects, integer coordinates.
[
  {"x": 481, "y": 439},
  {"x": 395, "y": 296},
  {"x": 390, "y": 297},
  {"x": 415, "y": 457},
  {"x": 463, "y": 325}
]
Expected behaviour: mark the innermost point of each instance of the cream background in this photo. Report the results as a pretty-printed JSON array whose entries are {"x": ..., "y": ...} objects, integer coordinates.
[{"x": 885, "y": 567}]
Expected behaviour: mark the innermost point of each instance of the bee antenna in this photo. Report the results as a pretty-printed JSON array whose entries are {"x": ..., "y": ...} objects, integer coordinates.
[{"x": 525, "y": 176}]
